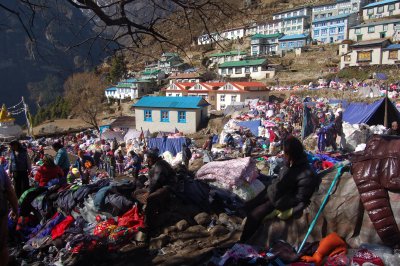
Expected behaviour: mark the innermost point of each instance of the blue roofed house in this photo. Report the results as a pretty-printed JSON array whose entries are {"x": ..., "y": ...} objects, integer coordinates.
[
  {"x": 159, "y": 113},
  {"x": 130, "y": 89},
  {"x": 333, "y": 29},
  {"x": 291, "y": 42}
]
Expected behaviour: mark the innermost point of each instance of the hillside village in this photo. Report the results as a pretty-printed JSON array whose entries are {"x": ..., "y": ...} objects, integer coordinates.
[{"x": 355, "y": 32}]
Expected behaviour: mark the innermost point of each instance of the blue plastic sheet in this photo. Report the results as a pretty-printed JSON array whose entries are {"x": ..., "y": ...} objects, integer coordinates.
[
  {"x": 370, "y": 114},
  {"x": 173, "y": 145}
]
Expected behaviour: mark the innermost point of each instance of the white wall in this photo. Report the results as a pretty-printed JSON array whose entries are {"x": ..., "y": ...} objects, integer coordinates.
[
  {"x": 257, "y": 75},
  {"x": 366, "y": 35},
  {"x": 376, "y": 57},
  {"x": 387, "y": 61},
  {"x": 381, "y": 11},
  {"x": 190, "y": 126}
]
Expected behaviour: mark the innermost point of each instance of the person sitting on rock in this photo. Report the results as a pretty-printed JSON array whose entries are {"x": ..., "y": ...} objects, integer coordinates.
[
  {"x": 161, "y": 181},
  {"x": 288, "y": 194}
]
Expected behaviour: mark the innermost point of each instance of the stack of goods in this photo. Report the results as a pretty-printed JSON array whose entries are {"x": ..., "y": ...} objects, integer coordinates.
[{"x": 238, "y": 176}]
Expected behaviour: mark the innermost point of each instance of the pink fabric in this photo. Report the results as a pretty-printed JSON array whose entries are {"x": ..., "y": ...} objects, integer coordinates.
[{"x": 229, "y": 173}]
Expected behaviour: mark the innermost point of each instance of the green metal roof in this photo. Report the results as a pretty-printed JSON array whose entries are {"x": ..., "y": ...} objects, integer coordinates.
[
  {"x": 228, "y": 54},
  {"x": 185, "y": 102},
  {"x": 256, "y": 62},
  {"x": 264, "y": 36},
  {"x": 151, "y": 72}
]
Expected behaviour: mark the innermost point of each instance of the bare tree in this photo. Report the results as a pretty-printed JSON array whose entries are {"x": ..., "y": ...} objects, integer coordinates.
[
  {"x": 137, "y": 23},
  {"x": 85, "y": 93}
]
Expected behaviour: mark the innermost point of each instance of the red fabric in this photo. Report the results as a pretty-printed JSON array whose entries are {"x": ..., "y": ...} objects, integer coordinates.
[
  {"x": 327, "y": 165},
  {"x": 60, "y": 228},
  {"x": 132, "y": 219},
  {"x": 364, "y": 255},
  {"x": 104, "y": 229},
  {"x": 45, "y": 174}
]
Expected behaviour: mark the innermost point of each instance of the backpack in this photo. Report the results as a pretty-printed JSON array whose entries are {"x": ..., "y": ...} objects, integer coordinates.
[{"x": 3, "y": 193}]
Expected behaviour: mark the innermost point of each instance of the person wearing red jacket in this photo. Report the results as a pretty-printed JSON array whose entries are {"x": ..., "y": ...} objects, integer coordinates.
[{"x": 48, "y": 171}]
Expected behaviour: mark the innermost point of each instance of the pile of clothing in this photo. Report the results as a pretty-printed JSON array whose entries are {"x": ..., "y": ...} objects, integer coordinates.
[
  {"x": 331, "y": 251},
  {"x": 238, "y": 176},
  {"x": 78, "y": 218}
]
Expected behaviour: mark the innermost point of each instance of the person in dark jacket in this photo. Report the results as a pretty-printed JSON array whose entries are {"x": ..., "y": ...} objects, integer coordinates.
[
  {"x": 7, "y": 196},
  {"x": 19, "y": 167},
  {"x": 288, "y": 194},
  {"x": 161, "y": 173},
  {"x": 338, "y": 124},
  {"x": 230, "y": 142},
  {"x": 394, "y": 130},
  {"x": 82, "y": 162},
  {"x": 186, "y": 155},
  {"x": 208, "y": 144}
]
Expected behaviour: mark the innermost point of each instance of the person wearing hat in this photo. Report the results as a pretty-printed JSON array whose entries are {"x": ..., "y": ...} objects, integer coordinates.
[
  {"x": 73, "y": 175},
  {"x": 338, "y": 125},
  {"x": 48, "y": 171},
  {"x": 19, "y": 167},
  {"x": 110, "y": 163}
]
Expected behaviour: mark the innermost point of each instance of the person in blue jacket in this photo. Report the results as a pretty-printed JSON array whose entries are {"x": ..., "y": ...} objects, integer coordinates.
[{"x": 61, "y": 159}]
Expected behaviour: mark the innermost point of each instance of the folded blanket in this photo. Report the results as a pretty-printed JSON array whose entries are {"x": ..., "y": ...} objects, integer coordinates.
[{"x": 229, "y": 173}]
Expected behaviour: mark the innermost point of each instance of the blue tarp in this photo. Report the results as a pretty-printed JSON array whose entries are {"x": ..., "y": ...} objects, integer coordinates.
[
  {"x": 173, "y": 145},
  {"x": 252, "y": 125},
  {"x": 337, "y": 101},
  {"x": 370, "y": 114}
]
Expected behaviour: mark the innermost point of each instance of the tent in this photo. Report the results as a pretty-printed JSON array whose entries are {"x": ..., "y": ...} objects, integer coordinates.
[
  {"x": 369, "y": 92},
  {"x": 173, "y": 145},
  {"x": 371, "y": 114},
  {"x": 252, "y": 125},
  {"x": 110, "y": 135},
  {"x": 132, "y": 134}
]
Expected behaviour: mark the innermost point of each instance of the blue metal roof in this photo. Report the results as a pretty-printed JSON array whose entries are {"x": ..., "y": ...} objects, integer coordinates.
[
  {"x": 384, "y": 2},
  {"x": 331, "y": 18},
  {"x": 111, "y": 89},
  {"x": 293, "y": 37},
  {"x": 394, "y": 46},
  {"x": 185, "y": 102}
]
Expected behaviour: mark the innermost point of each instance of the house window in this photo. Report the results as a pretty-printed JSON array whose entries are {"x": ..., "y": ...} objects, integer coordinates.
[
  {"x": 391, "y": 7},
  {"x": 359, "y": 38},
  {"x": 371, "y": 29},
  {"x": 169, "y": 94},
  {"x": 316, "y": 32},
  {"x": 385, "y": 27},
  {"x": 283, "y": 45},
  {"x": 347, "y": 58},
  {"x": 223, "y": 71},
  {"x": 164, "y": 116},
  {"x": 358, "y": 31},
  {"x": 222, "y": 98},
  {"x": 230, "y": 71},
  {"x": 233, "y": 97},
  {"x": 238, "y": 70},
  {"x": 247, "y": 70},
  {"x": 148, "y": 116},
  {"x": 370, "y": 11},
  {"x": 255, "y": 68},
  {"x": 222, "y": 107},
  {"x": 181, "y": 116},
  {"x": 332, "y": 30},
  {"x": 323, "y": 32},
  {"x": 393, "y": 54},
  {"x": 380, "y": 9},
  {"x": 341, "y": 29},
  {"x": 364, "y": 56}
]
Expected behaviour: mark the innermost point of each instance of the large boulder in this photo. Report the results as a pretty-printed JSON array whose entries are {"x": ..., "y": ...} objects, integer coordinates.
[{"x": 343, "y": 214}]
